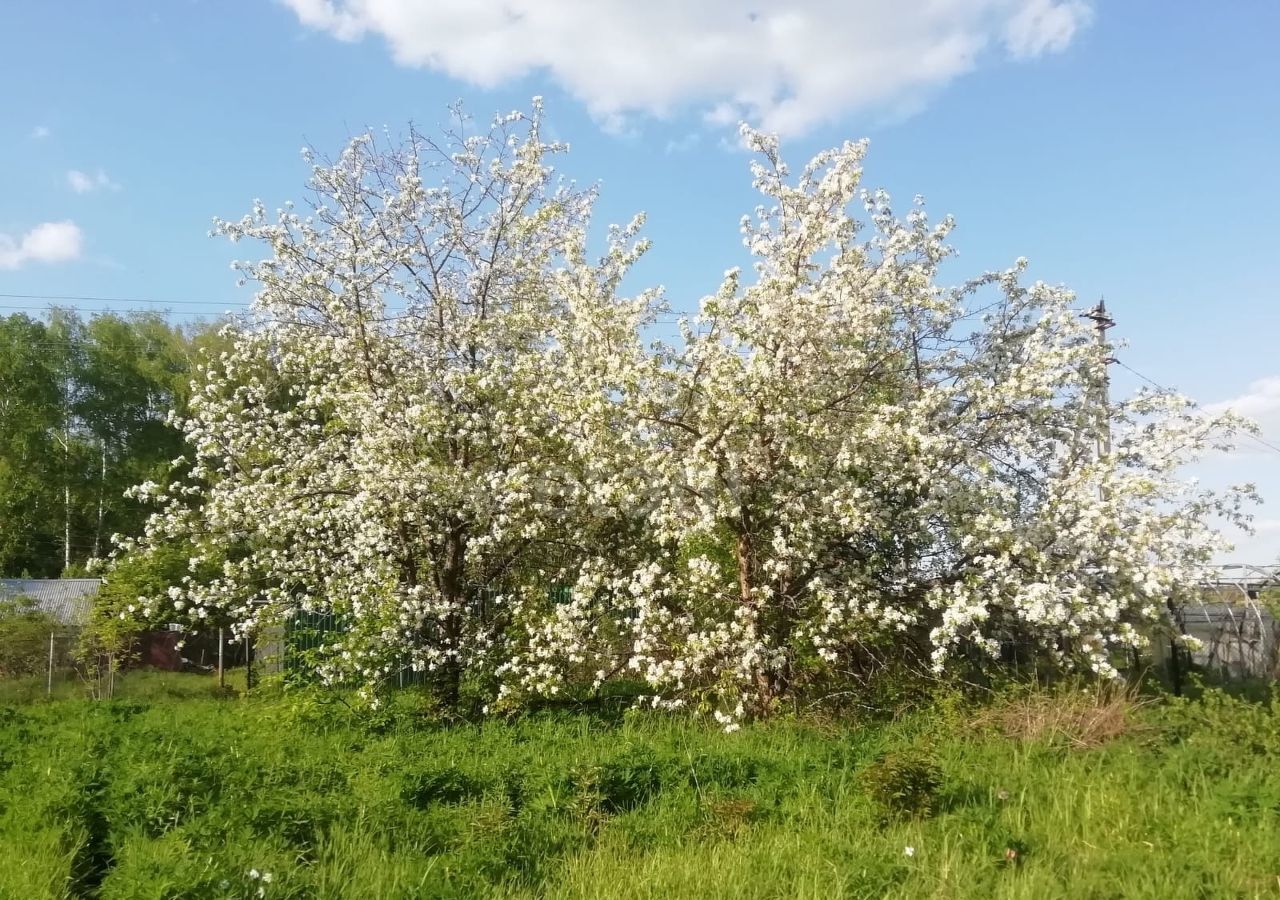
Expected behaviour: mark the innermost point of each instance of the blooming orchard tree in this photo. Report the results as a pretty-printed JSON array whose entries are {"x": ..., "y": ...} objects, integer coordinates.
[
  {"x": 380, "y": 444},
  {"x": 443, "y": 410},
  {"x": 842, "y": 457}
]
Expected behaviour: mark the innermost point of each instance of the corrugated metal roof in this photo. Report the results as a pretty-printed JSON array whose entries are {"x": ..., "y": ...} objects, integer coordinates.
[{"x": 66, "y": 599}]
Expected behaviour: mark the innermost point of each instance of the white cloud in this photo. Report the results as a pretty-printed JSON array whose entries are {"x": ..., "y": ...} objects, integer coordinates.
[
  {"x": 787, "y": 67},
  {"x": 48, "y": 242},
  {"x": 1261, "y": 403},
  {"x": 83, "y": 183},
  {"x": 40, "y": 132},
  {"x": 1252, "y": 460},
  {"x": 1262, "y": 547},
  {"x": 1045, "y": 26}
]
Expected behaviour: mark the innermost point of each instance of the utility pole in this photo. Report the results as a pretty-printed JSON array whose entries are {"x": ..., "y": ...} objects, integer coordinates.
[{"x": 1101, "y": 322}]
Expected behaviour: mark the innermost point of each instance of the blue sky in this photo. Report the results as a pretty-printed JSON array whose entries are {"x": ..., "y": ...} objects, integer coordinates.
[{"x": 1127, "y": 149}]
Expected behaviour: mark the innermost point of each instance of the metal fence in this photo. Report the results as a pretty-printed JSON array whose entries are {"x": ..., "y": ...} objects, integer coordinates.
[
  {"x": 282, "y": 649},
  {"x": 1236, "y": 632},
  {"x": 65, "y": 667}
]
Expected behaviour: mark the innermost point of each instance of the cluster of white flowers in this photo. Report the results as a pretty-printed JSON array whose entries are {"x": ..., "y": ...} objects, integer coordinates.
[{"x": 445, "y": 426}]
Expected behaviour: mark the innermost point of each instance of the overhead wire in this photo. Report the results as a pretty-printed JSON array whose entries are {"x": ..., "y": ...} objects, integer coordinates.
[
  {"x": 1158, "y": 386},
  {"x": 227, "y": 307},
  {"x": 81, "y": 298}
]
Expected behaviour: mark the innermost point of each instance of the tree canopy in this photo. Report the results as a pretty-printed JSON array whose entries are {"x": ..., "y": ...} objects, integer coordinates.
[{"x": 84, "y": 409}]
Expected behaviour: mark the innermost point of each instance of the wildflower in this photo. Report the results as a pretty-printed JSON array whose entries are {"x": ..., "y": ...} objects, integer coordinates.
[{"x": 908, "y": 851}]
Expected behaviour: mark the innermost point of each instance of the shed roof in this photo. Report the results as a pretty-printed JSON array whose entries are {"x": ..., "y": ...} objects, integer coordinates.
[{"x": 66, "y": 599}]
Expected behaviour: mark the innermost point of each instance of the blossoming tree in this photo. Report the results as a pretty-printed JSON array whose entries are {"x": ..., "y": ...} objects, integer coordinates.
[
  {"x": 441, "y": 393},
  {"x": 380, "y": 444},
  {"x": 842, "y": 457}
]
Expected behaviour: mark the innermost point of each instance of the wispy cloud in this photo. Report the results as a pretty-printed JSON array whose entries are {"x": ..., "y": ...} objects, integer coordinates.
[
  {"x": 1260, "y": 402},
  {"x": 1045, "y": 26},
  {"x": 84, "y": 183},
  {"x": 787, "y": 67},
  {"x": 40, "y": 132},
  {"x": 683, "y": 144},
  {"x": 48, "y": 242}
]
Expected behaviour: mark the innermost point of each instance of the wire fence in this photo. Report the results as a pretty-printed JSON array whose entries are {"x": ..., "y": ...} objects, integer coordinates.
[
  {"x": 1232, "y": 621},
  {"x": 58, "y": 663}
]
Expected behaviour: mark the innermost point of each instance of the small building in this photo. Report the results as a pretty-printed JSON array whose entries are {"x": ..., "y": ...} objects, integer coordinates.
[{"x": 69, "y": 602}]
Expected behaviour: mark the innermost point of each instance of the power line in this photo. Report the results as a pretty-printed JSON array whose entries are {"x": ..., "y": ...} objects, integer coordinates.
[
  {"x": 1158, "y": 386},
  {"x": 1150, "y": 381},
  {"x": 77, "y": 298}
]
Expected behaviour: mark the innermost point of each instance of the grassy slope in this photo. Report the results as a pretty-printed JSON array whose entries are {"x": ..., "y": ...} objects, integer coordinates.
[{"x": 181, "y": 796}]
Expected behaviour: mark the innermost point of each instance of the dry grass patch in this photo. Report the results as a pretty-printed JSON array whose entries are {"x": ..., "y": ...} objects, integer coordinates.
[{"x": 1078, "y": 719}]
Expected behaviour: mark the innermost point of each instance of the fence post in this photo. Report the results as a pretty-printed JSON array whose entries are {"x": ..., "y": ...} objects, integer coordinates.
[
  {"x": 48, "y": 688},
  {"x": 221, "y": 678},
  {"x": 248, "y": 666},
  {"x": 1175, "y": 662}
]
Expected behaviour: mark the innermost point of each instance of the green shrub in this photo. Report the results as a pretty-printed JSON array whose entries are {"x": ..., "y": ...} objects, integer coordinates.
[
  {"x": 24, "y": 637},
  {"x": 904, "y": 783},
  {"x": 622, "y": 783}
]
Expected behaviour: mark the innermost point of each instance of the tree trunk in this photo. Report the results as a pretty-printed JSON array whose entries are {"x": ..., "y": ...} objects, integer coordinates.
[
  {"x": 453, "y": 589},
  {"x": 765, "y": 687},
  {"x": 746, "y": 562},
  {"x": 66, "y": 518},
  {"x": 774, "y": 623},
  {"x": 102, "y": 495}
]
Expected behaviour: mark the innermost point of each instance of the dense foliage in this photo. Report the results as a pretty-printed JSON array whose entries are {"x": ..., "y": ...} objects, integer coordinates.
[
  {"x": 443, "y": 425},
  {"x": 24, "y": 636},
  {"x": 83, "y": 416}
]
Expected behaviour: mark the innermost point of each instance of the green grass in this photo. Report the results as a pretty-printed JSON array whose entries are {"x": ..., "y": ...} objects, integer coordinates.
[
  {"x": 144, "y": 684},
  {"x": 174, "y": 793}
]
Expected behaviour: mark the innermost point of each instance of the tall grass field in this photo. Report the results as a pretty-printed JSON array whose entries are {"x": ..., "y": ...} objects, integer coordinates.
[{"x": 170, "y": 792}]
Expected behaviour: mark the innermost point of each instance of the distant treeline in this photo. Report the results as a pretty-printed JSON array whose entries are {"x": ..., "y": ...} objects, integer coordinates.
[{"x": 84, "y": 405}]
